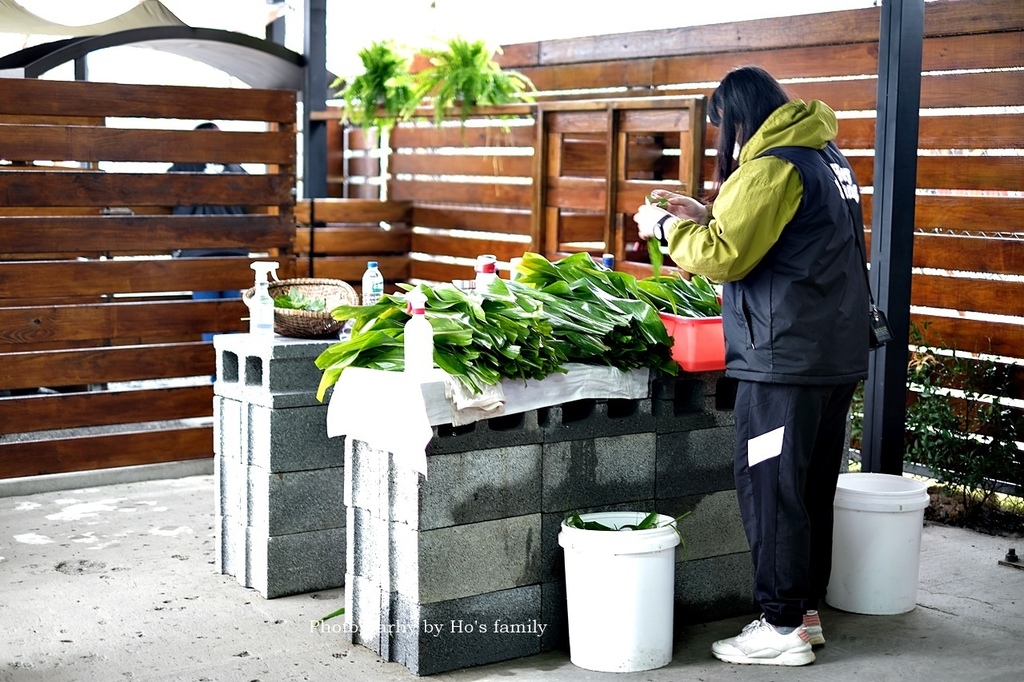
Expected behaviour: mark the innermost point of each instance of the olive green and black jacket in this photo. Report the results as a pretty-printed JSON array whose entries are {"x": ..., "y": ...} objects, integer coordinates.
[{"x": 783, "y": 239}]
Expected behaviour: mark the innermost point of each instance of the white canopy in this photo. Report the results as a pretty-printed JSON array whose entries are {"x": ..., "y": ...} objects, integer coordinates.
[{"x": 16, "y": 19}]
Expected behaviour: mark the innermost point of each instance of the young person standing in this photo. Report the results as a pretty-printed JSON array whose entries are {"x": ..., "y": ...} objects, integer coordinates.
[{"x": 782, "y": 237}]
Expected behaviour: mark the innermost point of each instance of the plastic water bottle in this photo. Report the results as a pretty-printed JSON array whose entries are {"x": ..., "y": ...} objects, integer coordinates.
[
  {"x": 486, "y": 272},
  {"x": 514, "y": 268},
  {"x": 419, "y": 336},
  {"x": 373, "y": 284},
  {"x": 261, "y": 307}
]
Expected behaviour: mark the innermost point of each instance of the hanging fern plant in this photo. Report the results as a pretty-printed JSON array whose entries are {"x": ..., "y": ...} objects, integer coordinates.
[
  {"x": 381, "y": 95},
  {"x": 465, "y": 74}
]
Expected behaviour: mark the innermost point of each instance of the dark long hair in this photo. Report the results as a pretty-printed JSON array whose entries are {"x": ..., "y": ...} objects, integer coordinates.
[{"x": 740, "y": 104}]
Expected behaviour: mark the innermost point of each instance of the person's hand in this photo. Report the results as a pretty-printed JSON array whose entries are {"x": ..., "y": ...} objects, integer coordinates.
[
  {"x": 682, "y": 206},
  {"x": 649, "y": 217}
]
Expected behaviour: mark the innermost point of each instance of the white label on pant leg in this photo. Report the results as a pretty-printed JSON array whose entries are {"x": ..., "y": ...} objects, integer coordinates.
[{"x": 765, "y": 446}]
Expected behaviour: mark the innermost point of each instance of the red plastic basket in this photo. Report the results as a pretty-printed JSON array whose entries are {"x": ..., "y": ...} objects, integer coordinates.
[{"x": 698, "y": 342}]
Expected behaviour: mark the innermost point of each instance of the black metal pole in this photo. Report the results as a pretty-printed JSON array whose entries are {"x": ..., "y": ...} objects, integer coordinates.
[
  {"x": 901, "y": 38},
  {"x": 81, "y": 68},
  {"x": 275, "y": 31},
  {"x": 314, "y": 98}
]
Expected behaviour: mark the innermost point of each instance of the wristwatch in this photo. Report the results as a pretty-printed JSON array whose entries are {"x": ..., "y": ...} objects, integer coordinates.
[{"x": 659, "y": 229}]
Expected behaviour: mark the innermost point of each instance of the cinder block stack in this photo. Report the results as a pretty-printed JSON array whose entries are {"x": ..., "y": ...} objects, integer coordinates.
[
  {"x": 279, "y": 477},
  {"x": 463, "y": 567}
]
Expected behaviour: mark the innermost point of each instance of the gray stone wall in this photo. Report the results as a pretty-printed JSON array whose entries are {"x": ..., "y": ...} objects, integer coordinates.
[{"x": 463, "y": 567}]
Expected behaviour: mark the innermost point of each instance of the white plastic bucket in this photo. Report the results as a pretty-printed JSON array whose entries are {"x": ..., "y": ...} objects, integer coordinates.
[
  {"x": 620, "y": 593},
  {"x": 876, "y": 545}
]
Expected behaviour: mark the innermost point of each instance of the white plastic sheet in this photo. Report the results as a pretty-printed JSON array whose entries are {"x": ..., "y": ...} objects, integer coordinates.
[{"x": 396, "y": 413}]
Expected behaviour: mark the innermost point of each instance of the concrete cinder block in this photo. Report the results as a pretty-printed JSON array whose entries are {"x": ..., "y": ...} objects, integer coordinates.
[
  {"x": 279, "y": 372},
  {"x": 510, "y": 430},
  {"x": 555, "y": 613},
  {"x": 711, "y": 528},
  {"x": 713, "y": 589},
  {"x": 692, "y": 401},
  {"x": 585, "y": 419},
  {"x": 292, "y": 439},
  {"x": 232, "y": 488},
  {"x": 229, "y": 429},
  {"x": 588, "y": 473},
  {"x": 370, "y": 554},
  {"x": 459, "y": 633},
  {"x": 367, "y": 471},
  {"x": 685, "y": 392},
  {"x": 693, "y": 462},
  {"x": 477, "y": 558},
  {"x": 295, "y": 563},
  {"x": 295, "y": 501},
  {"x": 367, "y": 609},
  {"x": 230, "y": 547},
  {"x": 469, "y": 487}
]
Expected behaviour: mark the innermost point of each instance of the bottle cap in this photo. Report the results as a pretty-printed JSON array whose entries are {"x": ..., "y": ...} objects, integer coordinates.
[
  {"x": 416, "y": 302},
  {"x": 371, "y": 264},
  {"x": 487, "y": 263}
]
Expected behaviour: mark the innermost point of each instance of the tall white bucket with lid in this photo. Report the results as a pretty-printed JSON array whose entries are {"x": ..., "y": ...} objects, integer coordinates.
[
  {"x": 876, "y": 544},
  {"x": 620, "y": 593}
]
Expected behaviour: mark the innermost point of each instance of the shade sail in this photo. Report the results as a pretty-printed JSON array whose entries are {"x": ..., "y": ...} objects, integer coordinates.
[{"x": 16, "y": 19}]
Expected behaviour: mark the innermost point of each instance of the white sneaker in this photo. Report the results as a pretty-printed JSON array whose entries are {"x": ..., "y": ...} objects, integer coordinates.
[
  {"x": 812, "y": 623},
  {"x": 759, "y": 643}
]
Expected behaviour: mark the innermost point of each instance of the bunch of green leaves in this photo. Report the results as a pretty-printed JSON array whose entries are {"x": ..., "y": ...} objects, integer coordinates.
[
  {"x": 384, "y": 86},
  {"x": 477, "y": 341},
  {"x": 602, "y": 315},
  {"x": 466, "y": 74},
  {"x": 296, "y": 300},
  {"x": 650, "y": 521},
  {"x": 959, "y": 424},
  {"x": 653, "y": 245},
  {"x": 673, "y": 294}
]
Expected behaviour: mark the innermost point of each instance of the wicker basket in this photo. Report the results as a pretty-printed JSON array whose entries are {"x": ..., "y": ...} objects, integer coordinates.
[{"x": 305, "y": 324}]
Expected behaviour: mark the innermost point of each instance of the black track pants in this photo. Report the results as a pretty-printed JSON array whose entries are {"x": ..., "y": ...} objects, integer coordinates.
[{"x": 790, "y": 442}]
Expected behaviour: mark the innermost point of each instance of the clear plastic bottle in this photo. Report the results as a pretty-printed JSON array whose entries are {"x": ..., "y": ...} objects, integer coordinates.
[
  {"x": 486, "y": 272},
  {"x": 261, "y": 307},
  {"x": 419, "y": 336},
  {"x": 513, "y": 272},
  {"x": 373, "y": 284}
]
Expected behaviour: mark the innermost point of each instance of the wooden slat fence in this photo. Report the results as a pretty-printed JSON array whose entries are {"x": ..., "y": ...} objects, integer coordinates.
[
  {"x": 451, "y": 193},
  {"x": 336, "y": 237},
  {"x": 102, "y": 358},
  {"x": 968, "y": 282}
]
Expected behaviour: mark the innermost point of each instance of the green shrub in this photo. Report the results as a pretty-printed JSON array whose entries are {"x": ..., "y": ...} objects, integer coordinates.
[{"x": 959, "y": 425}]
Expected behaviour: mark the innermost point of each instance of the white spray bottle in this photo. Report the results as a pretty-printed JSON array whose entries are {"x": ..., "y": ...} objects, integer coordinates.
[
  {"x": 261, "y": 307},
  {"x": 419, "y": 337}
]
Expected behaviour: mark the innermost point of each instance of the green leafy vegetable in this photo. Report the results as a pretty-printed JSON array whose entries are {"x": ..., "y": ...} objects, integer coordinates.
[
  {"x": 654, "y": 254},
  {"x": 551, "y": 314},
  {"x": 296, "y": 300},
  {"x": 673, "y": 294},
  {"x": 651, "y": 521}
]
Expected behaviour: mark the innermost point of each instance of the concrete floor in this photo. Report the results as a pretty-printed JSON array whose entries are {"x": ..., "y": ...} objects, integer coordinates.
[{"x": 118, "y": 582}]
